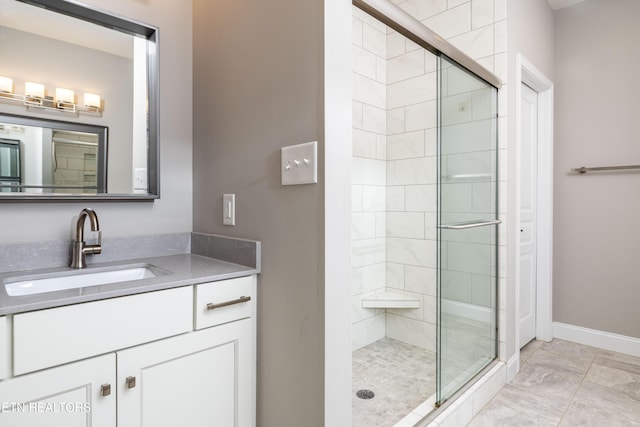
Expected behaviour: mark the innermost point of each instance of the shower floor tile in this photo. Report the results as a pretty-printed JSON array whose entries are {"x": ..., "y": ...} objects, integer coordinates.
[{"x": 402, "y": 377}]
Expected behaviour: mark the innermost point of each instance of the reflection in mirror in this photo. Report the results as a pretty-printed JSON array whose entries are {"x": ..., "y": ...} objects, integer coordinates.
[
  {"x": 40, "y": 156},
  {"x": 106, "y": 69}
]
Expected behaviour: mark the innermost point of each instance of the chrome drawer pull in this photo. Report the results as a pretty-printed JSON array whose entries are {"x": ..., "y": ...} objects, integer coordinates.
[{"x": 212, "y": 306}]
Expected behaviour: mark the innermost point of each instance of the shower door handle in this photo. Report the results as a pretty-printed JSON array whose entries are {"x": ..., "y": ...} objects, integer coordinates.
[{"x": 466, "y": 225}]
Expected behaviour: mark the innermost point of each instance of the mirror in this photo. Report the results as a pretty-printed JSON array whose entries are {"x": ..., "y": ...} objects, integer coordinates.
[
  {"x": 95, "y": 99},
  {"x": 39, "y": 156}
]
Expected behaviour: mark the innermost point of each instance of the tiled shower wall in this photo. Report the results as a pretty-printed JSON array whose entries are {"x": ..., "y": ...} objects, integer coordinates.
[
  {"x": 369, "y": 243},
  {"x": 399, "y": 155}
]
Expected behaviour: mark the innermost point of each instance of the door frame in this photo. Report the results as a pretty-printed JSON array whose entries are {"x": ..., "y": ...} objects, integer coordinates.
[{"x": 528, "y": 74}]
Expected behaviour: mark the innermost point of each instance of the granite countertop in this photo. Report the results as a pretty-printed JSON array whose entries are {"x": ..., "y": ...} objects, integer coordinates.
[{"x": 174, "y": 271}]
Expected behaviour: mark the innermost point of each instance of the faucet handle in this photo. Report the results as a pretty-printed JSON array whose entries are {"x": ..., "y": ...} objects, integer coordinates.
[{"x": 94, "y": 249}]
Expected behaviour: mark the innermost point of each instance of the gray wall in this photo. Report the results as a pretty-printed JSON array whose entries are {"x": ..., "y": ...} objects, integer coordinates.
[
  {"x": 173, "y": 212},
  {"x": 258, "y": 87},
  {"x": 596, "y": 232}
]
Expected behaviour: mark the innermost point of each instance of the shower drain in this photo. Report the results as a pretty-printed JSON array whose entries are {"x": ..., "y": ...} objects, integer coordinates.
[{"x": 365, "y": 394}]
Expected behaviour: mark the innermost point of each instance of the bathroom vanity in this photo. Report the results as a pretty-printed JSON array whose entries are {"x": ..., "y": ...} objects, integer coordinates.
[{"x": 176, "y": 349}]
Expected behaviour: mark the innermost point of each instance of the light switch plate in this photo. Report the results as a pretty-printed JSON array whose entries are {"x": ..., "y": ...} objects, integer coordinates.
[
  {"x": 229, "y": 209},
  {"x": 299, "y": 164}
]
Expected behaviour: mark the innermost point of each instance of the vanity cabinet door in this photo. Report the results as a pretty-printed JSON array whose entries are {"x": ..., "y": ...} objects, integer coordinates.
[
  {"x": 66, "y": 396},
  {"x": 200, "y": 379}
]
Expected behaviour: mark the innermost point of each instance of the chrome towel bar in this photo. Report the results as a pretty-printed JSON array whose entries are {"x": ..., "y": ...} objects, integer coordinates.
[
  {"x": 583, "y": 169},
  {"x": 466, "y": 225}
]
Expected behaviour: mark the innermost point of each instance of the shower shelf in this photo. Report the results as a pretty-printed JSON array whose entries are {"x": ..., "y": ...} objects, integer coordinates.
[{"x": 390, "y": 300}]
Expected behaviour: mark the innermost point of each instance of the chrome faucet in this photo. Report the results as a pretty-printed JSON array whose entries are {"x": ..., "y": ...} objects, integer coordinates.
[{"x": 80, "y": 248}]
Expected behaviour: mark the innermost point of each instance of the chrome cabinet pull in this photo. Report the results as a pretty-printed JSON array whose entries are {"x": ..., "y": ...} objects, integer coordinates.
[
  {"x": 105, "y": 390},
  {"x": 212, "y": 306},
  {"x": 131, "y": 382}
]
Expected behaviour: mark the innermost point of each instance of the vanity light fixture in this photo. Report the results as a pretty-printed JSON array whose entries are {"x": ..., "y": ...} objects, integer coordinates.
[
  {"x": 6, "y": 84},
  {"x": 34, "y": 96},
  {"x": 65, "y": 99},
  {"x": 34, "y": 90},
  {"x": 92, "y": 101}
]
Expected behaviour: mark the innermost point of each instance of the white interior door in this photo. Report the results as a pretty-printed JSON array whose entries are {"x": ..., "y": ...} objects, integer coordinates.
[{"x": 528, "y": 191}]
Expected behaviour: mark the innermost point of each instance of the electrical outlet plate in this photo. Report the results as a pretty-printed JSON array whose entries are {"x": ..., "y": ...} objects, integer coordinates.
[{"x": 299, "y": 164}]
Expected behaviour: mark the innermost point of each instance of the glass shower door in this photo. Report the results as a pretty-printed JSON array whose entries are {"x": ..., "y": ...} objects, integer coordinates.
[{"x": 467, "y": 228}]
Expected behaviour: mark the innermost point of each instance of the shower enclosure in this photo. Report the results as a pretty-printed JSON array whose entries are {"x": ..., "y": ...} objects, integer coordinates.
[{"x": 424, "y": 221}]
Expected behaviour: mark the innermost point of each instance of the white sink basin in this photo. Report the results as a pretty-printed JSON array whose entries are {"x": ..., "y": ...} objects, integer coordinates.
[{"x": 75, "y": 279}]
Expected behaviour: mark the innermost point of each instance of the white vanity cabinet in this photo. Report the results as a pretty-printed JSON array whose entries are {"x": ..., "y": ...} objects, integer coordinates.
[
  {"x": 199, "y": 379},
  {"x": 146, "y": 371},
  {"x": 64, "y": 396}
]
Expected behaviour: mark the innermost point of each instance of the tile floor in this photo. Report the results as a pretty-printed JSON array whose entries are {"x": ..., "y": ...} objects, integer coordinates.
[
  {"x": 402, "y": 376},
  {"x": 566, "y": 384}
]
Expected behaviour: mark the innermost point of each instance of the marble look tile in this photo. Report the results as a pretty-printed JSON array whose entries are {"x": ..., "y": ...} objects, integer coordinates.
[
  {"x": 395, "y": 45},
  {"x": 367, "y": 331},
  {"x": 374, "y": 119},
  {"x": 406, "y": 145},
  {"x": 368, "y": 171},
  {"x": 368, "y": 252},
  {"x": 421, "y": 9},
  {"x": 364, "y": 63},
  {"x": 421, "y": 170},
  {"x": 558, "y": 363},
  {"x": 401, "y": 376},
  {"x": 395, "y": 121},
  {"x": 421, "y": 116},
  {"x": 482, "y": 13},
  {"x": 420, "y": 279},
  {"x": 497, "y": 415},
  {"x": 411, "y": 331},
  {"x": 374, "y": 198},
  {"x": 373, "y": 277},
  {"x": 477, "y": 43},
  {"x": 585, "y": 415},
  {"x": 571, "y": 349},
  {"x": 546, "y": 383},
  {"x": 528, "y": 350},
  {"x": 451, "y": 23},
  {"x": 405, "y": 66},
  {"x": 623, "y": 382},
  {"x": 356, "y": 111},
  {"x": 412, "y": 91},
  {"x": 395, "y": 198},
  {"x": 619, "y": 361},
  {"x": 609, "y": 399},
  {"x": 411, "y": 251},
  {"x": 369, "y": 91},
  {"x": 544, "y": 408},
  {"x": 421, "y": 198},
  {"x": 363, "y": 144},
  {"x": 395, "y": 277},
  {"x": 356, "y": 281},
  {"x": 363, "y": 225},
  {"x": 356, "y": 198},
  {"x": 405, "y": 224},
  {"x": 374, "y": 39}
]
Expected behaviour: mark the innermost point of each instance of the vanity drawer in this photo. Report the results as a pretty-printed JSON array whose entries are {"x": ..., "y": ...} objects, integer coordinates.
[
  {"x": 59, "y": 335},
  {"x": 224, "y": 301}
]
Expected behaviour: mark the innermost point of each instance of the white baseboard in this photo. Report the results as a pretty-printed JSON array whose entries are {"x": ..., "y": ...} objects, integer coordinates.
[
  {"x": 513, "y": 366},
  {"x": 605, "y": 340}
]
